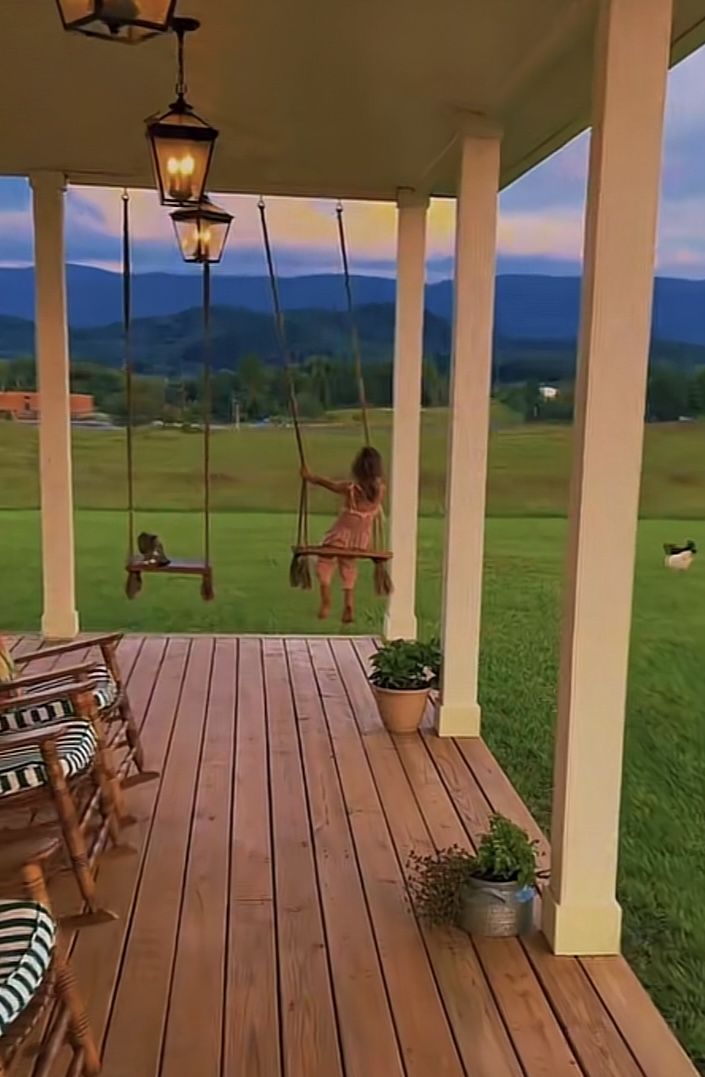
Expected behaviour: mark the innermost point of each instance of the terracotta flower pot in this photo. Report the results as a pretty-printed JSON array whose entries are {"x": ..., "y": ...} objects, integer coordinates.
[{"x": 401, "y": 710}]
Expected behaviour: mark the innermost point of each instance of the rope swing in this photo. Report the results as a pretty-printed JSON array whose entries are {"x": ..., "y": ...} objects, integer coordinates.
[
  {"x": 145, "y": 552},
  {"x": 300, "y": 571}
]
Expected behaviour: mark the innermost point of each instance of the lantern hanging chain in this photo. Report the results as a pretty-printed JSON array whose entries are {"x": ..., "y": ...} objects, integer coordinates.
[
  {"x": 181, "y": 87},
  {"x": 129, "y": 395}
]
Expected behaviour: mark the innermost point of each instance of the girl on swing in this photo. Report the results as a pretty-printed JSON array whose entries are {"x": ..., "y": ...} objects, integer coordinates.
[{"x": 362, "y": 495}]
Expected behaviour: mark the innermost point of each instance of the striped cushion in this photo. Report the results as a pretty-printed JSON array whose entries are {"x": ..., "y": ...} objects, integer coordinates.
[
  {"x": 104, "y": 695},
  {"x": 23, "y": 768},
  {"x": 27, "y": 936}
]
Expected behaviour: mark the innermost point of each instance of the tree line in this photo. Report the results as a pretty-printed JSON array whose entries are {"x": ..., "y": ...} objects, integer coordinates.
[
  {"x": 673, "y": 392},
  {"x": 256, "y": 390}
]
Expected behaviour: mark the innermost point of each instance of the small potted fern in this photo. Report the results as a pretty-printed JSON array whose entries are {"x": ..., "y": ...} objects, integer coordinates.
[
  {"x": 489, "y": 893},
  {"x": 403, "y": 674}
]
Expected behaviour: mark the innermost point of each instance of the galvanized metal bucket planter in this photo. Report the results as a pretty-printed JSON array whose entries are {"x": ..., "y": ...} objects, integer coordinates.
[{"x": 497, "y": 910}]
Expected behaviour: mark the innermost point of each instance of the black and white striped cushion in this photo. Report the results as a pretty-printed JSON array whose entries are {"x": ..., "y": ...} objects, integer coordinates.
[
  {"x": 104, "y": 695},
  {"x": 27, "y": 937},
  {"x": 23, "y": 768}
]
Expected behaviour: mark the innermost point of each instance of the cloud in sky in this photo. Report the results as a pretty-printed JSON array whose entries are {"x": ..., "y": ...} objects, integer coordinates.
[{"x": 540, "y": 223}]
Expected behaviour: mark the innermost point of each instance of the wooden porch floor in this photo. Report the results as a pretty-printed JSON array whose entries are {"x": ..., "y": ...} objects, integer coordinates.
[{"x": 264, "y": 924}]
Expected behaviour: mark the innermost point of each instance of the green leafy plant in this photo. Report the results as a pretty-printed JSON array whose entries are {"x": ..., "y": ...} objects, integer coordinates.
[
  {"x": 505, "y": 854},
  {"x": 407, "y": 665}
]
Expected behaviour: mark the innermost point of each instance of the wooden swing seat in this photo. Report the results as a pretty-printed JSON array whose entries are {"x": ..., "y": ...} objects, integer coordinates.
[
  {"x": 175, "y": 568},
  {"x": 340, "y": 551}
]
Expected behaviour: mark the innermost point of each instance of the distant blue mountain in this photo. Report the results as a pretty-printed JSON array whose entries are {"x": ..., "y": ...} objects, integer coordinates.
[{"x": 529, "y": 306}]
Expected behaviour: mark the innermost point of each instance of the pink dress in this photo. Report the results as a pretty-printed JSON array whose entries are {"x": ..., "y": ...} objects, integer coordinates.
[{"x": 352, "y": 531}]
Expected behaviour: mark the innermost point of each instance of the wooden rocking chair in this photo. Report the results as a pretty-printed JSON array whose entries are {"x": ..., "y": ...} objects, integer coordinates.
[
  {"x": 67, "y": 765},
  {"x": 107, "y": 686},
  {"x": 35, "y": 976}
]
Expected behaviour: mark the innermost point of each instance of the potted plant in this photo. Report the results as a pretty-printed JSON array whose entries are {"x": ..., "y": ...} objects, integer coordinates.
[
  {"x": 490, "y": 892},
  {"x": 403, "y": 674}
]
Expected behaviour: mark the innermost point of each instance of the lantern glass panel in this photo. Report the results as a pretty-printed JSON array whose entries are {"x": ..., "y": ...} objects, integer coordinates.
[
  {"x": 202, "y": 233},
  {"x": 182, "y": 147}
]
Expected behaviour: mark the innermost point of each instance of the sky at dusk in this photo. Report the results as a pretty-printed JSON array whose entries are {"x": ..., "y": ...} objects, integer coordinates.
[{"x": 540, "y": 224}]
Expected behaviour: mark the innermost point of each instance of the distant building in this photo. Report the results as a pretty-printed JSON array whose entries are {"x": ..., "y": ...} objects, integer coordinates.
[
  {"x": 548, "y": 392},
  {"x": 19, "y": 404}
]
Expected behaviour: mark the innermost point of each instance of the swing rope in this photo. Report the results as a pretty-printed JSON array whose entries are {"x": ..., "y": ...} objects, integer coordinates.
[
  {"x": 383, "y": 583},
  {"x": 207, "y": 593},
  {"x": 299, "y": 572},
  {"x": 135, "y": 566},
  {"x": 354, "y": 335},
  {"x": 132, "y": 584}
]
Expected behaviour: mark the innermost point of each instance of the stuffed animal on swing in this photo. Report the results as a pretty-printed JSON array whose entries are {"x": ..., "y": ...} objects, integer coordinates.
[
  {"x": 679, "y": 558},
  {"x": 152, "y": 550}
]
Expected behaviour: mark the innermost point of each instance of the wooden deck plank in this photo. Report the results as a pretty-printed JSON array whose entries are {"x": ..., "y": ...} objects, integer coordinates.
[
  {"x": 199, "y": 970},
  {"x": 251, "y": 1040},
  {"x": 153, "y": 685},
  {"x": 367, "y": 1029},
  {"x": 310, "y": 1045},
  {"x": 656, "y": 1049},
  {"x": 134, "y": 1040},
  {"x": 499, "y": 790},
  {"x": 425, "y": 1036},
  {"x": 480, "y": 1033}
]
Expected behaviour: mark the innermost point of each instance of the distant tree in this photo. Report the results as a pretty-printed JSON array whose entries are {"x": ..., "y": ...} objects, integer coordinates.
[
  {"x": 668, "y": 394},
  {"x": 148, "y": 401},
  {"x": 309, "y": 405},
  {"x": 697, "y": 392},
  {"x": 434, "y": 391},
  {"x": 532, "y": 401},
  {"x": 318, "y": 368},
  {"x": 21, "y": 374},
  {"x": 254, "y": 378}
]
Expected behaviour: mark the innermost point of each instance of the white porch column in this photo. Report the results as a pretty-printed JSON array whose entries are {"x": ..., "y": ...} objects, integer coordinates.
[
  {"x": 59, "y": 619},
  {"x": 400, "y": 622},
  {"x": 475, "y": 246},
  {"x": 581, "y": 915}
]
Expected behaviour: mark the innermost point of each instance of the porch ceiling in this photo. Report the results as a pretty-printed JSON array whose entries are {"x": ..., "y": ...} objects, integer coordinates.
[{"x": 317, "y": 98}]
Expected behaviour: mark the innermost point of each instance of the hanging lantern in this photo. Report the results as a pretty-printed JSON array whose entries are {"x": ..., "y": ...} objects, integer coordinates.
[
  {"x": 126, "y": 21},
  {"x": 182, "y": 143},
  {"x": 202, "y": 231}
]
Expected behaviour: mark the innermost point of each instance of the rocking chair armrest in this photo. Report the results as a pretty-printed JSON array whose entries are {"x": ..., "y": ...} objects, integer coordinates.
[
  {"x": 70, "y": 673},
  {"x": 24, "y": 700},
  {"x": 66, "y": 648}
]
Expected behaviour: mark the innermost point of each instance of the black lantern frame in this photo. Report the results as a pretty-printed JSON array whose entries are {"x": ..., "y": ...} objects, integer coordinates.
[
  {"x": 202, "y": 232},
  {"x": 182, "y": 143},
  {"x": 127, "y": 22}
]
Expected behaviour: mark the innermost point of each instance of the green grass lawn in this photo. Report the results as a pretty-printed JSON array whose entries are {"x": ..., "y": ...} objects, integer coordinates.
[
  {"x": 255, "y": 469},
  {"x": 662, "y": 878}
]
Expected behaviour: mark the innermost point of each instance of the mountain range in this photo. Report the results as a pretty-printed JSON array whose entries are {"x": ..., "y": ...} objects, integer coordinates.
[{"x": 535, "y": 314}]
